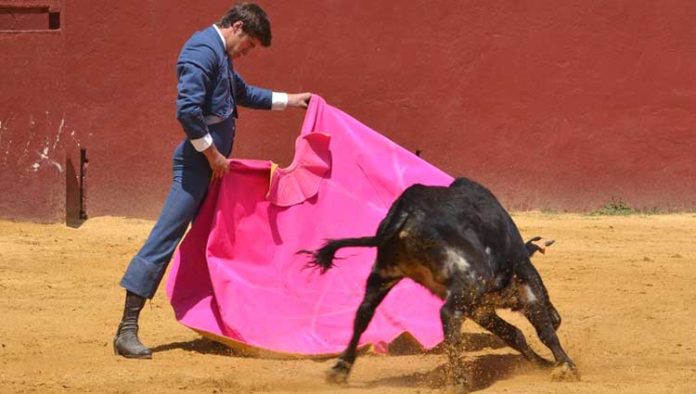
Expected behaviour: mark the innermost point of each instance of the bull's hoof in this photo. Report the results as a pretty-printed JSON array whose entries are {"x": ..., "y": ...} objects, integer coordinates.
[
  {"x": 338, "y": 374},
  {"x": 566, "y": 372}
]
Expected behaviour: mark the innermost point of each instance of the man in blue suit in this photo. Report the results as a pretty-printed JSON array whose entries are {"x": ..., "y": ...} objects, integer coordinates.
[{"x": 209, "y": 90}]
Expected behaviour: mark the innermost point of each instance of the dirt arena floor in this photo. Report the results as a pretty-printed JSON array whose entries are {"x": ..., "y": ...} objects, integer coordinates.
[{"x": 625, "y": 286}]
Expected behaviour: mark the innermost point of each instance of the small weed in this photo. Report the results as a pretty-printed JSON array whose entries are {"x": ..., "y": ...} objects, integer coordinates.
[{"x": 616, "y": 207}]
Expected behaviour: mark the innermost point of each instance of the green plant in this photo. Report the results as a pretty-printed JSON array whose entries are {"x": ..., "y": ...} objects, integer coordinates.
[
  {"x": 549, "y": 211},
  {"x": 615, "y": 207}
]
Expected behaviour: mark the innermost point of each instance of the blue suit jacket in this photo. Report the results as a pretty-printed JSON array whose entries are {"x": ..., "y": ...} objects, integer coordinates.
[{"x": 208, "y": 84}]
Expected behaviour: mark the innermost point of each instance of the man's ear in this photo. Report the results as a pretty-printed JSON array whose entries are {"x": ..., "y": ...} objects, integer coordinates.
[{"x": 237, "y": 26}]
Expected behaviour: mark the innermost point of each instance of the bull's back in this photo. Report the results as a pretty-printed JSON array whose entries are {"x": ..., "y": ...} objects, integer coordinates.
[
  {"x": 455, "y": 214},
  {"x": 494, "y": 221}
]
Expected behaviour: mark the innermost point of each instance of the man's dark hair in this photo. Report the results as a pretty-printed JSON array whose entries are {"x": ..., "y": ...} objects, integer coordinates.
[{"x": 256, "y": 23}]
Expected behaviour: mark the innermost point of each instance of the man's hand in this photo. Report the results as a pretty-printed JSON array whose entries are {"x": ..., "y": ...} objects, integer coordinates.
[
  {"x": 217, "y": 162},
  {"x": 299, "y": 99}
]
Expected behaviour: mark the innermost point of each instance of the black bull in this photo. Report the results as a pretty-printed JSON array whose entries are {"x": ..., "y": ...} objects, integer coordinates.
[{"x": 462, "y": 245}]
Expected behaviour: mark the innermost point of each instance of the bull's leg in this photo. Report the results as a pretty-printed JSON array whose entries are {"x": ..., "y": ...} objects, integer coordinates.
[
  {"x": 555, "y": 316},
  {"x": 539, "y": 315},
  {"x": 488, "y": 319},
  {"x": 545, "y": 320},
  {"x": 452, "y": 316},
  {"x": 377, "y": 288}
]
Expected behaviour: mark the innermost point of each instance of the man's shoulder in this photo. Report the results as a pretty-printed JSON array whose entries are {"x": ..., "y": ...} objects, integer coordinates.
[
  {"x": 207, "y": 37},
  {"x": 203, "y": 42}
]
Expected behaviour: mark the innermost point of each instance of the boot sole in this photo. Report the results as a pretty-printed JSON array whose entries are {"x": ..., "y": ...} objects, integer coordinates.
[{"x": 136, "y": 356}]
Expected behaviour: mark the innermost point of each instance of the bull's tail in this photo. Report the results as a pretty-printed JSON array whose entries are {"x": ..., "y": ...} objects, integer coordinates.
[{"x": 323, "y": 257}]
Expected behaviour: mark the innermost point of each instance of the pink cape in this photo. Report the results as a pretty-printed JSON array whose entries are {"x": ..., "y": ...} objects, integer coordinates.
[{"x": 237, "y": 278}]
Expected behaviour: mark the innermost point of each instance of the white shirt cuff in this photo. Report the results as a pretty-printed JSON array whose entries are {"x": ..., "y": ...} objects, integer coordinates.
[
  {"x": 279, "y": 101},
  {"x": 201, "y": 144}
]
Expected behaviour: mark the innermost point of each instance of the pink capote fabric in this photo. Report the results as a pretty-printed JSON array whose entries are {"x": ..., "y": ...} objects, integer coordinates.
[{"x": 237, "y": 276}]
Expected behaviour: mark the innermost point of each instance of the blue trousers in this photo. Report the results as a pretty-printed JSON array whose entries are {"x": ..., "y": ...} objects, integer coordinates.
[{"x": 191, "y": 177}]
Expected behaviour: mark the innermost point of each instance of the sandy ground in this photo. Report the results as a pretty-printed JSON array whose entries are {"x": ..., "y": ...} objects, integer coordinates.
[{"x": 625, "y": 287}]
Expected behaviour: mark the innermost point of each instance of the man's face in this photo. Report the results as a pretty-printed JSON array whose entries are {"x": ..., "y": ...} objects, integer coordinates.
[{"x": 240, "y": 43}]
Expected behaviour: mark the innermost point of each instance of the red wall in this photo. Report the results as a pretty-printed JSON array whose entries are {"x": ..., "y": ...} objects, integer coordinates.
[{"x": 558, "y": 105}]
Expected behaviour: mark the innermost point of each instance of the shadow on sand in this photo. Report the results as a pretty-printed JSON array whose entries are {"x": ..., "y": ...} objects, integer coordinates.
[
  {"x": 237, "y": 349},
  {"x": 200, "y": 345},
  {"x": 401, "y": 346},
  {"x": 482, "y": 371},
  {"x": 405, "y": 344}
]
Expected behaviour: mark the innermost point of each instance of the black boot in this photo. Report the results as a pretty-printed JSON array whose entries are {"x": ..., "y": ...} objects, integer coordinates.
[{"x": 126, "y": 342}]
